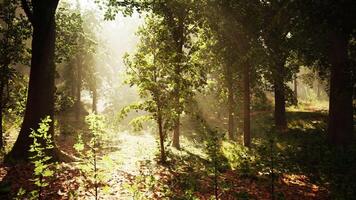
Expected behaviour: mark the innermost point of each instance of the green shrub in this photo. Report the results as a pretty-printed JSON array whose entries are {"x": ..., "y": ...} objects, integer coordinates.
[
  {"x": 95, "y": 176},
  {"x": 239, "y": 157},
  {"x": 40, "y": 158}
]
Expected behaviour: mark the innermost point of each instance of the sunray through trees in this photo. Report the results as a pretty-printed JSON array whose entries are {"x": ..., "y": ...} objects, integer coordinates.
[{"x": 177, "y": 99}]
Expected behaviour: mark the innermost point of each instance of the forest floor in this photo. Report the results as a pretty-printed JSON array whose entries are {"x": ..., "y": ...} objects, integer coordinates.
[
  {"x": 134, "y": 173},
  {"x": 137, "y": 176}
]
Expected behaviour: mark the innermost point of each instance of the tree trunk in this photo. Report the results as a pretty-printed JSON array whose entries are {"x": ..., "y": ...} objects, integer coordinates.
[
  {"x": 340, "y": 126},
  {"x": 176, "y": 132},
  {"x": 279, "y": 97},
  {"x": 231, "y": 130},
  {"x": 296, "y": 89},
  {"x": 178, "y": 36},
  {"x": 231, "y": 104},
  {"x": 40, "y": 99},
  {"x": 318, "y": 90},
  {"x": 95, "y": 101},
  {"x": 161, "y": 136},
  {"x": 2, "y": 103},
  {"x": 1, "y": 124},
  {"x": 78, "y": 90},
  {"x": 247, "y": 100}
]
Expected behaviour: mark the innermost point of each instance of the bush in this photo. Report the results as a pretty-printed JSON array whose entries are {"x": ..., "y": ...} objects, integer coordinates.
[{"x": 239, "y": 157}]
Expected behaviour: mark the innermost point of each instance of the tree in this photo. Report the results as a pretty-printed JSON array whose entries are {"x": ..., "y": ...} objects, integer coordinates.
[
  {"x": 222, "y": 51},
  {"x": 75, "y": 49},
  {"x": 182, "y": 23},
  {"x": 14, "y": 30},
  {"x": 149, "y": 69},
  {"x": 325, "y": 31},
  {"x": 40, "y": 100},
  {"x": 240, "y": 41},
  {"x": 277, "y": 25}
]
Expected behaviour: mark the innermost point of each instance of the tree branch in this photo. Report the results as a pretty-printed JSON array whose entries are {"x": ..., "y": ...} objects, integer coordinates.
[{"x": 25, "y": 6}]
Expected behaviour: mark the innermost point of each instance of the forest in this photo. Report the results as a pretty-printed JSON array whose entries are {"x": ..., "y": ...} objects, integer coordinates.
[{"x": 178, "y": 99}]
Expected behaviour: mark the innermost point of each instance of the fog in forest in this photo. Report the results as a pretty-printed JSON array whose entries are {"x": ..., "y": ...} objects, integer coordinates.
[{"x": 177, "y": 99}]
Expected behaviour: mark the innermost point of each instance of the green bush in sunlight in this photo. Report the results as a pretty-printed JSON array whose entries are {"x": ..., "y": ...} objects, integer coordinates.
[
  {"x": 94, "y": 167},
  {"x": 239, "y": 157}
]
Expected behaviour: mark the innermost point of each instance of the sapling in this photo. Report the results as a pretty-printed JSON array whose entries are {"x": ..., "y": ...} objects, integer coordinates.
[
  {"x": 93, "y": 175},
  {"x": 42, "y": 144},
  {"x": 213, "y": 148}
]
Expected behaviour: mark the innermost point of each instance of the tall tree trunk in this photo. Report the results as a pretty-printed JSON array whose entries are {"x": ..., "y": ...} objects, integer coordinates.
[
  {"x": 176, "y": 133},
  {"x": 231, "y": 103},
  {"x": 2, "y": 103},
  {"x": 78, "y": 90},
  {"x": 318, "y": 90},
  {"x": 279, "y": 97},
  {"x": 317, "y": 84},
  {"x": 1, "y": 124},
  {"x": 247, "y": 100},
  {"x": 161, "y": 135},
  {"x": 40, "y": 99},
  {"x": 340, "y": 126},
  {"x": 296, "y": 89},
  {"x": 231, "y": 123},
  {"x": 179, "y": 39},
  {"x": 95, "y": 101},
  {"x": 176, "y": 130}
]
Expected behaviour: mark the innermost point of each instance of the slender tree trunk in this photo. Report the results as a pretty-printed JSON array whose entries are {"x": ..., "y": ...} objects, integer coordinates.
[
  {"x": 40, "y": 100},
  {"x": 176, "y": 130},
  {"x": 340, "y": 126},
  {"x": 318, "y": 90},
  {"x": 78, "y": 90},
  {"x": 176, "y": 133},
  {"x": 247, "y": 100},
  {"x": 161, "y": 135},
  {"x": 179, "y": 46},
  {"x": 231, "y": 104},
  {"x": 2, "y": 103},
  {"x": 95, "y": 101},
  {"x": 1, "y": 125},
  {"x": 317, "y": 84},
  {"x": 73, "y": 89},
  {"x": 296, "y": 89},
  {"x": 231, "y": 130},
  {"x": 279, "y": 97}
]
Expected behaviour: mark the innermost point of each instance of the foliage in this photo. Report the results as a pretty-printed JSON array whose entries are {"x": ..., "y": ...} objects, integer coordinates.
[
  {"x": 144, "y": 183},
  {"x": 190, "y": 57},
  {"x": 94, "y": 167},
  {"x": 41, "y": 147},
  {"x": 14, "y": 31},
  {"x": 239, "y": 157},
  {"x": 76, "y": 45},
  {"x": 217, "y": 160}
]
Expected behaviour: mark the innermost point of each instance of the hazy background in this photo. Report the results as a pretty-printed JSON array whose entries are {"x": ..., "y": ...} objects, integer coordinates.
[{"x": 115, "y": 38}]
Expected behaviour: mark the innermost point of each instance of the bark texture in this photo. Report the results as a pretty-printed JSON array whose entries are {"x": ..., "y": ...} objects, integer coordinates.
[
  {"x": 340, "y": 126},
  {"x": 280, "y": 101}
]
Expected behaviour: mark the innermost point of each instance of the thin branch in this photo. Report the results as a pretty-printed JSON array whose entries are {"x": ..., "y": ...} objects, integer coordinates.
[{"x": 26, "y": 7}]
